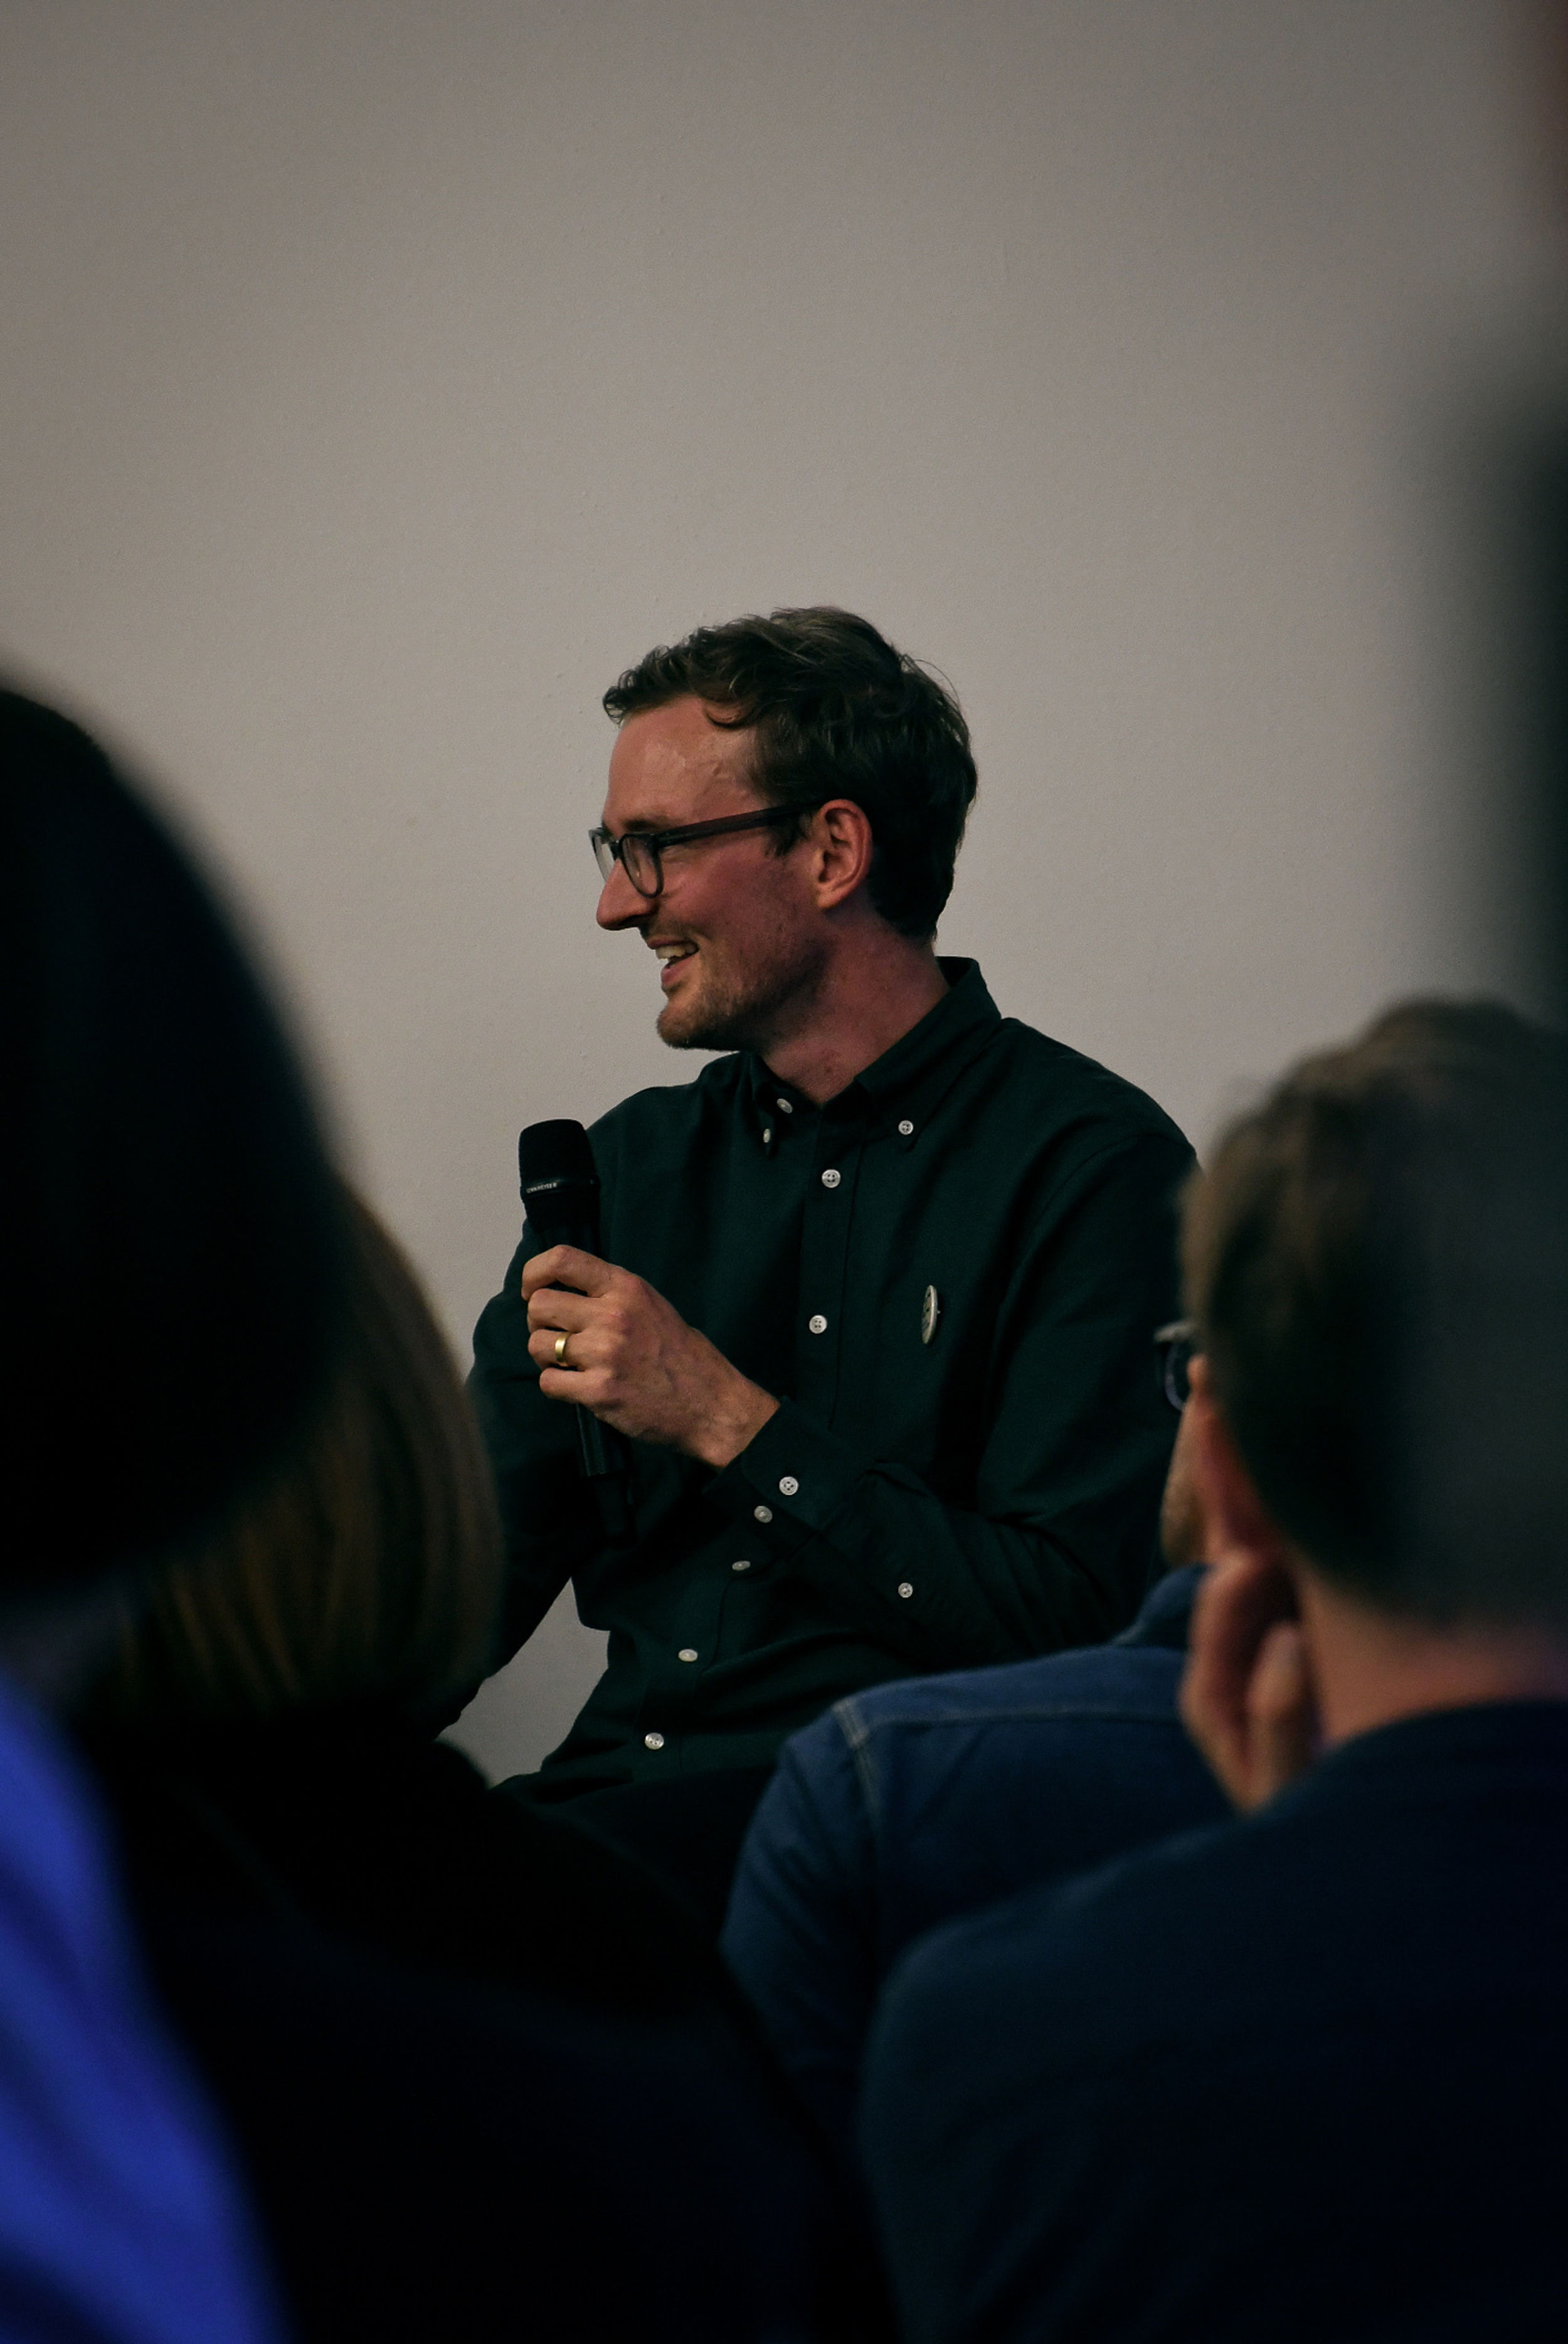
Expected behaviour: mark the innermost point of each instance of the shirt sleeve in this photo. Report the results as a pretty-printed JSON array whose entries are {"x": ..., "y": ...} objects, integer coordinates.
[
  {"x": 549, "y": 1515},
  {"x": 800, "y": 1937},
  {"x": 1059, "y": 1545}
]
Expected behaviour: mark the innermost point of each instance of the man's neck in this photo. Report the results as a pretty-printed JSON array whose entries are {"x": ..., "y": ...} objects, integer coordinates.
[
  {"x": 875, "y": 987},
  {"x": 1371, "y": 1668}
]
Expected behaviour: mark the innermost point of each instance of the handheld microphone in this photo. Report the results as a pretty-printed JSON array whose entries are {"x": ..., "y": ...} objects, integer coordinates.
[{"x": 560, "y": 1197}]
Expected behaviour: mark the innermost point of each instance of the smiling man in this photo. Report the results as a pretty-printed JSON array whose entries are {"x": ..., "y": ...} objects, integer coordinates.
[{"x": 878, "y": 1288}]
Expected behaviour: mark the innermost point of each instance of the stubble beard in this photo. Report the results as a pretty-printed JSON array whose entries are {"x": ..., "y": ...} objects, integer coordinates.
[{"x": 747, "y": 1013}]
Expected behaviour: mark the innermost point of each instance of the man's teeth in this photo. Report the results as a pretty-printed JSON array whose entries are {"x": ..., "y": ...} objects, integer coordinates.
[{"x": 674, "y": 952}]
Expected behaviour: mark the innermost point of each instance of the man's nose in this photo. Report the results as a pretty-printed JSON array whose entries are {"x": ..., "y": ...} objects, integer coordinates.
[{"x": 620, "y": 904}]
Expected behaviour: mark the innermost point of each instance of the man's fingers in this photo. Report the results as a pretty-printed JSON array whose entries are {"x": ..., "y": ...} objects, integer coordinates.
[
  {"x": 584, "y": 1273},
  {"x": 1282, "y": 1709},
  {"x": 1237, "y": 1602},
  {"x": 1210, "y": 1700},
  {"x": 562, "y": 1312},
  {"x": 542, "y": 1349},
  {"x": 1280, "y": 1690},
  {"x": 1240, "y": 1602},
  {"x": 1245, "y": 1598}
]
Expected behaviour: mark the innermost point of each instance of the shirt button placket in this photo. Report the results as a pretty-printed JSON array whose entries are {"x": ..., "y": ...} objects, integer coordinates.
[{"x": 823, "y": 1255}]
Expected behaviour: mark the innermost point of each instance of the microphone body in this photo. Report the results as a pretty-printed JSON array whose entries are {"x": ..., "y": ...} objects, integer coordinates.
[{"x": 560, "y": 1190}]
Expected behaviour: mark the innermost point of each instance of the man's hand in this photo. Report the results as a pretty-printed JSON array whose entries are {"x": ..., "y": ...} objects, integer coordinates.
[
  {"x": 1247, "y": 1696},
  {"x": 634, "y": 1361}
]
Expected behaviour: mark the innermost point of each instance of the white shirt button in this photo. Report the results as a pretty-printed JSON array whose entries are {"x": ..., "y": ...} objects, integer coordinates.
[
  {"x": 904, "y": 1588},
  {"x": 831, "y": 1179},
  {"x": 742, "y": 1565},
  {"x": 905, "y": 1129},
  {"x": 818, "y": 1324},
  {"x": 653, "y": 1742},
  {"x": 785, "y": 1107},
  {"x": 762, "y": 1514},
  {"x": 686, "y": 1653},
  {"x": 788, "y": 1486},
  {"x": 767, "y": 1135}
]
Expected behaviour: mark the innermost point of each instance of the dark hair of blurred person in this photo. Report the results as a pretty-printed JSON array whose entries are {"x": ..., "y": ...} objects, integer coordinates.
[
  {"x": 1380, "y": 1264},
  {"x": 170, "y": 1260},
  {"x": 835, "y": 711},
  {"x": 168, "y": 1275},
  {"x": 1303, "y": 2074}
]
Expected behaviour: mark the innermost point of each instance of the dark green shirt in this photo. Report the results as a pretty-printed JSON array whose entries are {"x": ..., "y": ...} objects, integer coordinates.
[{"x": 950, "y": 1276}]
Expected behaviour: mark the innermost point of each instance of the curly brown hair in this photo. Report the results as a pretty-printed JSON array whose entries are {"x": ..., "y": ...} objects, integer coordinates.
[{"x": 836, "y": 713}]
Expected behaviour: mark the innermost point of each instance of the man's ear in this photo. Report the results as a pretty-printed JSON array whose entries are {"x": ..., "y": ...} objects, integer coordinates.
[
  {"x": 1236, "y": 1518},
  {"x": 841, "y": 847}
]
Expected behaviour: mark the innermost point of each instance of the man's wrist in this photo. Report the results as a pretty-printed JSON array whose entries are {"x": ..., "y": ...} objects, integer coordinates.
[{"x": 722, "y": 1434}]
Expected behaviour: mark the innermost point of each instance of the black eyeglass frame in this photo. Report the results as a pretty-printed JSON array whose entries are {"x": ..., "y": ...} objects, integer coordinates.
[
  {"x": 608, "y": 850},
  {"x": 1177, "y": 1347}
]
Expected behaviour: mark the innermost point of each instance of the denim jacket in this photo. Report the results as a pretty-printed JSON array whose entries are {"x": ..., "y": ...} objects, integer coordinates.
[{"x": 913, "y": 1803}]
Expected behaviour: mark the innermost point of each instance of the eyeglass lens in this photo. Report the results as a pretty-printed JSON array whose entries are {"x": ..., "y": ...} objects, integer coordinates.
[
  {"x": 638, "y": 858},
  {"x": 1174, "y": 1358}
]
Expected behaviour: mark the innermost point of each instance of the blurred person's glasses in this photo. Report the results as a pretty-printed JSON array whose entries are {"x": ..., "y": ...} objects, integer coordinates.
[
  {"x": 638, "y": 852},
  {"x": 1176, "y": 1347}
]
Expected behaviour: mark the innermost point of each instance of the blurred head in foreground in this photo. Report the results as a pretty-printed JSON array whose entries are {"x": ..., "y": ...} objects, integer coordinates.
[
  {"x": 1377, "y": 1261},
  {"x": 168, "y": 1238},
  {"x": 369, "y": 1569}
]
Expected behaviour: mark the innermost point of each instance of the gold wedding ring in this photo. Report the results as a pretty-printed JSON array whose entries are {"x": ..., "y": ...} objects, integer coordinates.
[{"x": 561, "y": 1350}]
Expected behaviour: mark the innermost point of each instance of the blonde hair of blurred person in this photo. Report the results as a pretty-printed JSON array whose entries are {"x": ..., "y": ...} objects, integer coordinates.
[
  {"x": 265, "y": 1732},
  {"x": 367, "y": 1570}
]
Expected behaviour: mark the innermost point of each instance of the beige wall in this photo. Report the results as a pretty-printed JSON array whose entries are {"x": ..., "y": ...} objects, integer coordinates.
[{"x": 380, "y": 379}]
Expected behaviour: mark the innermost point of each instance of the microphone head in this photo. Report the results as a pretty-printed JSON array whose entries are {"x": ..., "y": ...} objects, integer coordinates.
[
  {"x": 560, "y": 1184},
  {"x": 548, "y": 1152}
]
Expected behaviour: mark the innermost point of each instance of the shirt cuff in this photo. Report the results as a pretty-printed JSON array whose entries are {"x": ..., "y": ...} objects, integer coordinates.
[{"x": 792, "y": 1478}]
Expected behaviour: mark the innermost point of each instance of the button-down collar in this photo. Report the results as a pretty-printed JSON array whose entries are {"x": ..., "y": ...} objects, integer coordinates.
[{"x": 907, "y": 1083}]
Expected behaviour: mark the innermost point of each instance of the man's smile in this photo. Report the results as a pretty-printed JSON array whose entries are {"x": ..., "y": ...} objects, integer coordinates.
[{"x": 670, "y": 952}]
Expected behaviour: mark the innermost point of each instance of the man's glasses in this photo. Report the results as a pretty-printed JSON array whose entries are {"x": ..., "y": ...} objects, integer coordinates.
[
  {"x": 638, "y": 852},
  {"x": 1176, "y": 1347}
]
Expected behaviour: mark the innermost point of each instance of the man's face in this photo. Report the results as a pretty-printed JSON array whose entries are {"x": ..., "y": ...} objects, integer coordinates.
[{"x": 741, "y": 943}]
